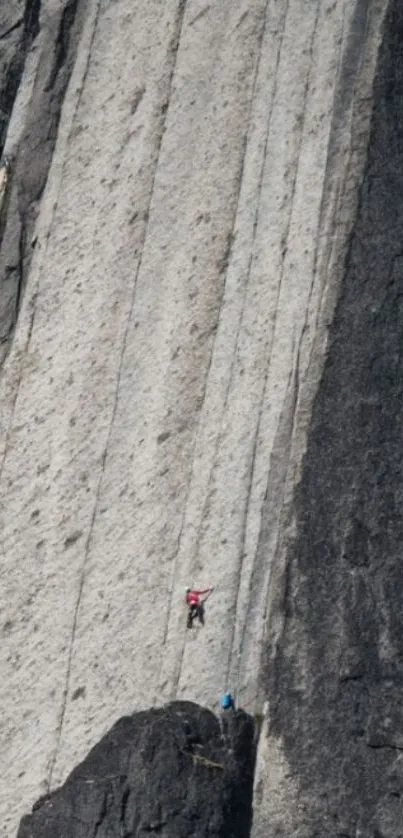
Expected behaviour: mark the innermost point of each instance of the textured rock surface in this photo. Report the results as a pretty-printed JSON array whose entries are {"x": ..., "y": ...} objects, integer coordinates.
[
  {"x": 168, "y": 772},
  {"x": 19, "y": 26},
  {"x": 336, "y": 685},
  {"x": 182, "y": 272},
  {"x": 38, "y": 39}
]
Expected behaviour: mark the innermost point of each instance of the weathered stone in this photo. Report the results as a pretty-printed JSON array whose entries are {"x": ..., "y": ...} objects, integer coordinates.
[
  {"x": 167, "y": 772},
  {"x": 336, "y": 683},
  {"x": 194, "y": 186},
  {"x": 19, "y": 26},
  {"x": 41, "y": 44}
]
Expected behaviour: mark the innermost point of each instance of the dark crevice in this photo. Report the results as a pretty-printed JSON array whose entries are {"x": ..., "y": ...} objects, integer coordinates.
[
  {"x": 20, "y": 275},
  {"x": 123, "y": 810},
  {"x": 12, "y": 28},
  {"x": 14, "y": 61},
  {"x": 31, "y": 20},
  {"x": 31, "y": 160},
  {"x": 62, "y": 41},
  {"x": 102, "y": 814}
]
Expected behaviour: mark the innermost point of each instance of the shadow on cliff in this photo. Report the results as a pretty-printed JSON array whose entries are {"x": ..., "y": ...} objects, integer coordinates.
[
  {"x": 336, "y": 690},
  {"x": 170, "y": 772},
  {"x": 30, "y": 160},
  {"x": 16, "y": 37}
]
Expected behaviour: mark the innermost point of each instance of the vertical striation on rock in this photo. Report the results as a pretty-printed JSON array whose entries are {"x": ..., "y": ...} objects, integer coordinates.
[
  {"x": 19, "y": 26},
  {"x": 35, "y": 68},
  {"x": 169, "y": 772},
  {"x": 336, "y": 685},
  {"x": 193, "y": 171}
]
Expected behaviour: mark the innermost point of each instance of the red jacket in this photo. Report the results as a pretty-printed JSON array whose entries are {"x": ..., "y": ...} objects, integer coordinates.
[{"x": 193, "y": 597}]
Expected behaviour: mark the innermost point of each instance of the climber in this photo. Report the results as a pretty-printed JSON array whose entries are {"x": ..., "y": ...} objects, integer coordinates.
[
  {"x": 226, "y": 718},
  {"x": 195, "y": 605},
  {"x": 227, "y": 702}
]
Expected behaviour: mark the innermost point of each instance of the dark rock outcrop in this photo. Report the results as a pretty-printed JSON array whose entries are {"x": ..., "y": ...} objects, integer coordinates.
[
  {"x": 337, "y": 685},
  {"x": 168, "y": 772},
  {"x": 31, "y": 157},
  {"x": 19, "y": 26}
]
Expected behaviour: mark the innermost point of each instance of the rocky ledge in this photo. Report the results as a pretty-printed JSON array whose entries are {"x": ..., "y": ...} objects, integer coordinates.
[{"x": 171, "y": 772}]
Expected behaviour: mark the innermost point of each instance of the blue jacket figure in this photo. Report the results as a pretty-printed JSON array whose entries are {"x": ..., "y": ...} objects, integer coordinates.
[{"x": 227, "y": 702}]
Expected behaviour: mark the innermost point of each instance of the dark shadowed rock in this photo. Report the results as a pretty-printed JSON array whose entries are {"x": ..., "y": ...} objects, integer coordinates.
[
  {"x": 337, "y": 687},
  {"x": 167, "y": 772},
  {"x": 20, "y": 26}
]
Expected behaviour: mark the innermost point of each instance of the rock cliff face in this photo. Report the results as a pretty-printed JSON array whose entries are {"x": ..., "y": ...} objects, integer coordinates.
[
  {"x": 178, "y": 207},
  {"x": 171, "y": 772},
  {"x": 38, "y": 41},
  {"x": 336, "y": 676}
]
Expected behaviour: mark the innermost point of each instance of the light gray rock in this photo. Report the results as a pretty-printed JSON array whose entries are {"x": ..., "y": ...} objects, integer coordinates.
[{"x": 189, "y": 209}]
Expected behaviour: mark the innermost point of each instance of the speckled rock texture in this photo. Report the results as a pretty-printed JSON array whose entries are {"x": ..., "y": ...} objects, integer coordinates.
[
  {"x": 182, "y": 187},
  {"x": 172, "y": 772},
  {"x": 38, "y": 40},
  {"x": 335, "y": 681}
]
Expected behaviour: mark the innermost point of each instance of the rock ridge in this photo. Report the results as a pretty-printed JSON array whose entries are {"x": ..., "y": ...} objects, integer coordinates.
[{"x": 171, "y": 772}]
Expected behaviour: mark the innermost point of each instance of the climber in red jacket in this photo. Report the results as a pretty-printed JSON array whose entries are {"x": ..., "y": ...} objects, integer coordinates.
[{"x": 195, "y": 605}]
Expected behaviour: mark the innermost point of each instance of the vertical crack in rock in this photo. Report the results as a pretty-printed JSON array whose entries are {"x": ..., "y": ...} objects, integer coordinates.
[
  {"x": 20, "y": 277},
  {"x": 336, "y": 686},
  {"x": 124, "y": 807},
  {"x": 102, "y": 814},
  {"x": 82, "y": 575},
  {"x": 225, "y": 263},
  {"x": 293, "y": 380},
  {"x": 12, "y": 62},
  {"x": 169, "y": 75},
  {"x": 62, "y": 41},
  {"x": 32, "y": 157},
  {"x": 11, "y": 28},
  {"x": 333, "y": 191},
  {"x": 274, "y": 489}
]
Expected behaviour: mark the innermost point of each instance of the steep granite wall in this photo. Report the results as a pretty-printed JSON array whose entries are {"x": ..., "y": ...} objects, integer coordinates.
[
  {"x": 335, "y": 678},
  {"x": 184, "y": 182}
]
